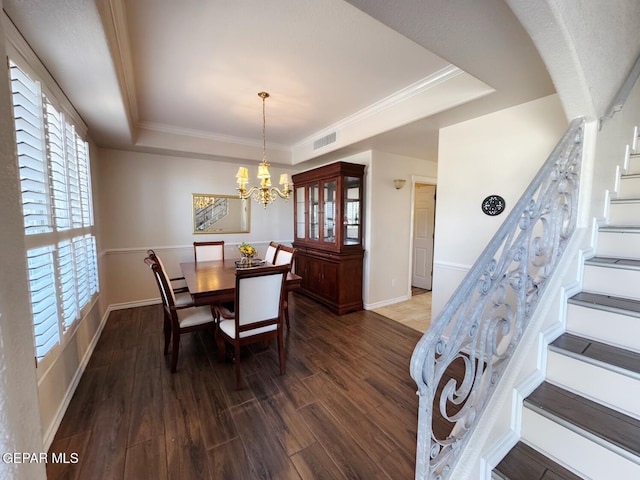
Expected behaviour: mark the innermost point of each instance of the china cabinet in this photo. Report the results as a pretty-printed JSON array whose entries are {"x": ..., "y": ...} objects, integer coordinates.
[{"x": 328, "y": 221}]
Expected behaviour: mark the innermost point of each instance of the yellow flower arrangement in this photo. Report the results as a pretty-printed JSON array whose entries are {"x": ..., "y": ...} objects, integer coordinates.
[{"x": 247, "y": 250}]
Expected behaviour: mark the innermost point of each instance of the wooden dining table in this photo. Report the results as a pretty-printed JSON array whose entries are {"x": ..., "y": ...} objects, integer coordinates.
[{"x": 215, "y": 281}]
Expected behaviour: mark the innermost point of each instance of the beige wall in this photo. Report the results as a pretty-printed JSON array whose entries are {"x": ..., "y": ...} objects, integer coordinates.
[
  {"x": 389, "y": 240},
  {"x": 146, "y": 203},
  {"x": 495, "y": 154}
]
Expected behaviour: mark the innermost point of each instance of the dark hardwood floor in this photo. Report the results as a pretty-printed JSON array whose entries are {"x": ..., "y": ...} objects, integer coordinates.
[{"x": 346, "y": 408}]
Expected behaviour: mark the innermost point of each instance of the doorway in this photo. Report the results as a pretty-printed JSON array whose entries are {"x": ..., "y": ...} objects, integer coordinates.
[{"x": 424, "y": 207}]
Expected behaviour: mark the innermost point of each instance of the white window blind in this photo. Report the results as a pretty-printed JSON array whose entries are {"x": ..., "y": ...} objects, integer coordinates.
[{"x": 55, "y": 182}]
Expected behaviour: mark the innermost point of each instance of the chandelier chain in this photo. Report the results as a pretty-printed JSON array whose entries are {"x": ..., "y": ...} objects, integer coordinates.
[{"x": 265, "y": 193}]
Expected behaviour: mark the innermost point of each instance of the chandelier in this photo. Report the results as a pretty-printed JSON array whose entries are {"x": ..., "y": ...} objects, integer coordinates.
[{"x": 265, "y": 193}]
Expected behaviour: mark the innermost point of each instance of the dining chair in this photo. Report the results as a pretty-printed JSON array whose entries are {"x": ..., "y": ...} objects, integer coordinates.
[
  {"x": 183, "y": 297},
  {"x": 285, "y": 256},
  {"x": 259, "y": 298},
  {"x": 205, "y": 251},
  {"x": 272, "y": 251},
  {"x": 178, "y": 319}
]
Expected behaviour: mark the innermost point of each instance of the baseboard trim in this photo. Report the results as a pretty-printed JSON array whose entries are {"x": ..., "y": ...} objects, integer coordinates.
[
  {"x": 386, "y": 303},
  {"x": 137, "y": 303}
]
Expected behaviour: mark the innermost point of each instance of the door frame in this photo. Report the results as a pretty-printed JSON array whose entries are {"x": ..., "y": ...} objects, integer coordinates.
[{"x": 428, "y": 181}]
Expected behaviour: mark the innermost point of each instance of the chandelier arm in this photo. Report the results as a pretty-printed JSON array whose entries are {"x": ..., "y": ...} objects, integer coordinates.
[
  {"x": 244, "y": 193},
  {"x": 284, "y": 194}
]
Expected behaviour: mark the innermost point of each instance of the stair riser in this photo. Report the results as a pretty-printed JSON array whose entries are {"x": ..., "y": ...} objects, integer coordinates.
[
  {"x": 634, "y": 164},
  {"x": 625, "y": 214},
  {"x": 619, "y": 244},
  {"x": 629, "y": 187},
  {"x": 570, "y": 448},
  {"x": 601, "y": 385},
  {"x": 617, "y": 282},
  {"x": 613, "y": 328}
]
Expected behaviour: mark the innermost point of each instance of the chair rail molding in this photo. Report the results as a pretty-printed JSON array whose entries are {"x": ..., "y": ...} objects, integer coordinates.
[{"x": 482, "y": 323}]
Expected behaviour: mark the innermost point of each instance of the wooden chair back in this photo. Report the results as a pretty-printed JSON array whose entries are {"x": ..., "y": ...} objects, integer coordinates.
[
  {"x": 205, "y": 251},
  {"x": 259, "y": 301},
  {"x": 166, "y": 292},
  {"x": 272, "y": 251},
  {"x": 259, "y": 297},
  {"x": 178, "y": 319},
  {"x": 285, "y": 256}
]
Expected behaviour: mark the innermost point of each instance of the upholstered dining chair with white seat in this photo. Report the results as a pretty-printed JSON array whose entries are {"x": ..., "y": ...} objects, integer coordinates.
[
  {"x": 181, "y": 292},
  {"x": 178, "y": 319},
  {"x": 206, "y": 251},
  {"x": 285, "y": 256},
  {"x": 272, "y": 251},
  {"x": 259, "y": 298}
]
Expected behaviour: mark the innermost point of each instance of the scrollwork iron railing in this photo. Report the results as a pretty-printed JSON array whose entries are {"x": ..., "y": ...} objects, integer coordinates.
[{"x": 460, "y": 359}]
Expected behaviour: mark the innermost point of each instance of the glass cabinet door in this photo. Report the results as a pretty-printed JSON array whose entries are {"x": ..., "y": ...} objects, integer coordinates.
[
  {"x": 314, "y": 212},
  {"x": 329, "y": 198},
  {"x": 352, "y": 213},
  {"x": 301, "y": 199}
]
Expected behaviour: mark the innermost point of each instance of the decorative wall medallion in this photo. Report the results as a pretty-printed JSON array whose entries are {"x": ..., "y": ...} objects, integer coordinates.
[{"x": 493, "y": 205}]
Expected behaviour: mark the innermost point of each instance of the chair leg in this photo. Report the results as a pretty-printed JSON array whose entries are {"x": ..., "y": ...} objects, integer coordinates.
[
  {"x": 174, "y": 352},
  {"x": 286, "y": 308},
  {"x": 237, "y": 360},
  {"x": 281, "y": 359},
  {"x": 286, "y": 314},
  {"x": 220, "y": 345},
  {"x": 167, "y": 333}
]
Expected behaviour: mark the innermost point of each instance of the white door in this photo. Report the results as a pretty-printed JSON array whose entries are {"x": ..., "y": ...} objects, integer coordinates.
[{"x": 423, "y": 223}]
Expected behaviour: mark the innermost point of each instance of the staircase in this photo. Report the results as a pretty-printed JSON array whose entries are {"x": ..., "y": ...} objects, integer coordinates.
[{"x": 584, "y": 420}]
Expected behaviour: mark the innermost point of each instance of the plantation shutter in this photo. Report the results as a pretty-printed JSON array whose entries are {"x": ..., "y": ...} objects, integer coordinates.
[
  {"x": 27, "y": 107},
  {"x": 55, "y": 183}
]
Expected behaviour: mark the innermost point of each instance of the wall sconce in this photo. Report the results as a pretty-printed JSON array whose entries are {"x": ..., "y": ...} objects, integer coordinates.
[{"x": 399, "y": 183}]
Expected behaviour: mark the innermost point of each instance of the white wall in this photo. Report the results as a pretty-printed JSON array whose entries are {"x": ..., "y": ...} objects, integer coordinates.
[
  {"x": 389, "y": 240},
  {"x": 616, "y": 134},
  {"x": 588, "y": 50},
  {"x": 613, "y": 46},
  {"x": 146, "y": 203},
  {"x": 495, "y": 154},
  {"x": 499, "y": 427}
]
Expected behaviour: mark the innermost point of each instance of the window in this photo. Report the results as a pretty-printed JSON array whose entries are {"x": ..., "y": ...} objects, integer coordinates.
[{"x": 55, "y": 183}]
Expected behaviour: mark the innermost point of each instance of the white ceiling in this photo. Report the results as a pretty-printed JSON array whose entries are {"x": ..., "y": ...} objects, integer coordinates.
[{"x": 182, "y": 77}]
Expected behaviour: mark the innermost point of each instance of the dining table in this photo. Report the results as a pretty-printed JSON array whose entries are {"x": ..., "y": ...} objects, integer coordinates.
[{"x": 215, "y": 281}]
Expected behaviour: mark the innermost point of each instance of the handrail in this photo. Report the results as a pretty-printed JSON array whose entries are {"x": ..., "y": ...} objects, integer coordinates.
[
  {"x": 481, "y": 325},
  {"x": 620, "y": 99}
]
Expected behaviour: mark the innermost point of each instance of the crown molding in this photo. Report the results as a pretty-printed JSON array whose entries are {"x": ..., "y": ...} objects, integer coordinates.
[
  {"x": 214, "y": 137},
  {"x": 397, "y": 98},
  {"x": 118, "y": 35}
]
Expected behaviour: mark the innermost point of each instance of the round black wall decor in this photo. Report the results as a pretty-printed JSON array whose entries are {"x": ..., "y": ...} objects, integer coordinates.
[{"x": 493, "y": 205}]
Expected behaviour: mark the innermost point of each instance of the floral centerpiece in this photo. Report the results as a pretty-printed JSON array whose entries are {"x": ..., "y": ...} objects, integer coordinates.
[{"x": 247, "y": 251}]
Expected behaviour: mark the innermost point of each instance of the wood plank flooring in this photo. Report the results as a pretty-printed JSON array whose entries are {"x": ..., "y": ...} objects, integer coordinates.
[{"x": 346, "y": 408}]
